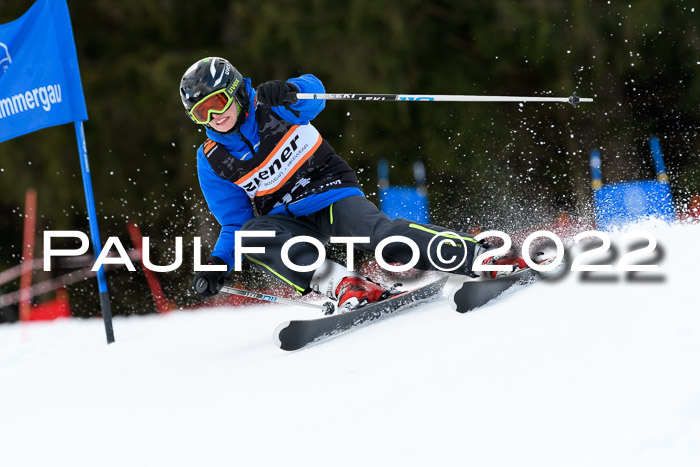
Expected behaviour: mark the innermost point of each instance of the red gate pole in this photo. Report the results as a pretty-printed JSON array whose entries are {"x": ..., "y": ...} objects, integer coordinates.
[
  {"x": 25, "y": 282},
  {"x": 162, "y": 305}
]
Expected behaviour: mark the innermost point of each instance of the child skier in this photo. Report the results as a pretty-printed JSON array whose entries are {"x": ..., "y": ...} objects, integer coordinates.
[{"x": 265, "y": 167}]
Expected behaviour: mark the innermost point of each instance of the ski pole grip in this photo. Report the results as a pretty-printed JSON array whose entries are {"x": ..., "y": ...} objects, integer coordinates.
[{"x": 290, "y": 97}]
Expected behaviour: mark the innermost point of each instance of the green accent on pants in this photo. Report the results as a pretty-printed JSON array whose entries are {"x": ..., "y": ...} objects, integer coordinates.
[
  {"x": 435, "y": 232},
  {"x": 260, "y": 263}
]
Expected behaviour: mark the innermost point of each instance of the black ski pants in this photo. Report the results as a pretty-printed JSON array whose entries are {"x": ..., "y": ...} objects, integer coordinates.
[{"x": 354, "y": 216}]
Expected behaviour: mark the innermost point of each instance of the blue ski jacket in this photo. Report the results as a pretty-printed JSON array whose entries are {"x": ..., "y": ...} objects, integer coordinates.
[{"x": 234, "y": 191}]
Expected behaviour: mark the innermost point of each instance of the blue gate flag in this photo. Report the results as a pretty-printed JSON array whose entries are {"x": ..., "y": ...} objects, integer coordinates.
[
  {"x": 39, "y": 77},
  {"x": 40, "y": 87}
]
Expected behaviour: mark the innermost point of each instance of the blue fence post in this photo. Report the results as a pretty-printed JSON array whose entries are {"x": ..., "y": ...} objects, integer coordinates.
[
  {"x": 596, "y": 174},
  {"x": 383, "y": 173},
  {"x": 658, "y": 160}
]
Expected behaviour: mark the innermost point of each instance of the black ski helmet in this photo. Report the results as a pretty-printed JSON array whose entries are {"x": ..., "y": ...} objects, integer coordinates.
[{"x": 209, "y": 75}]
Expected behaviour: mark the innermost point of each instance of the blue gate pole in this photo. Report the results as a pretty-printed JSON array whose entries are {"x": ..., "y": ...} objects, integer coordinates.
[{"x": 94, "y": 233}]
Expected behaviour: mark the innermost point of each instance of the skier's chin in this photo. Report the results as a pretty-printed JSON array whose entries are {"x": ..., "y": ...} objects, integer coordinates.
[{"x": 224, "y": 126}]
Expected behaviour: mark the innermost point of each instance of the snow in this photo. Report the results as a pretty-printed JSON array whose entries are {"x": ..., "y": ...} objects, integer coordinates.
[{"x": 566, "y": 373}]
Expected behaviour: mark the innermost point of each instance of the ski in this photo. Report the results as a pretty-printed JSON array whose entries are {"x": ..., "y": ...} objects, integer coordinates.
[
  {"x": 297, "y": 334},
  {"x": 470, "y": 295}
]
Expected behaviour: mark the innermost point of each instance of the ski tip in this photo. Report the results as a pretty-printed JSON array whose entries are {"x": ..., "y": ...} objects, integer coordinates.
[
  {"x": 279, "y": 330},
  {"x": 451, "y": 296}
]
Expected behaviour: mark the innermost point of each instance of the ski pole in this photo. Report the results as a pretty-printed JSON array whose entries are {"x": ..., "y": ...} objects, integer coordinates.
[
  {"x": 327, "y": 307},
  {"x": 573, "y": 100}
]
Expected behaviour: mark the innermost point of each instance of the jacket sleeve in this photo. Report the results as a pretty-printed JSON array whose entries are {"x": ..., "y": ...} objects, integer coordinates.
[
  {"x": 304, "y": 110},
  {"x": 229, "y": 204}
]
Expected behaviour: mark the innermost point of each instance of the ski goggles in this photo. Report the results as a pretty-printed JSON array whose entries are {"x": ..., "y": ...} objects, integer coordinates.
[{"x": 215, "y": 103}]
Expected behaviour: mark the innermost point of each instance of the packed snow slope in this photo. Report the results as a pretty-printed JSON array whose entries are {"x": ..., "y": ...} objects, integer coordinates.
[{"x": 568, "y": 373}]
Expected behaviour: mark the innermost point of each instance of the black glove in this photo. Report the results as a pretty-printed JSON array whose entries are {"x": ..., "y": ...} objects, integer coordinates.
[
  {"x": 275, "y": 93},
  {"x": 208, "y": 283}
]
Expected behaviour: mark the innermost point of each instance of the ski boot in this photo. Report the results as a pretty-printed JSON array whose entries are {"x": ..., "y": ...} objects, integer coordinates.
[
  {"x": 353, "y": 292},
  {"x": 517, "y": 262}
]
